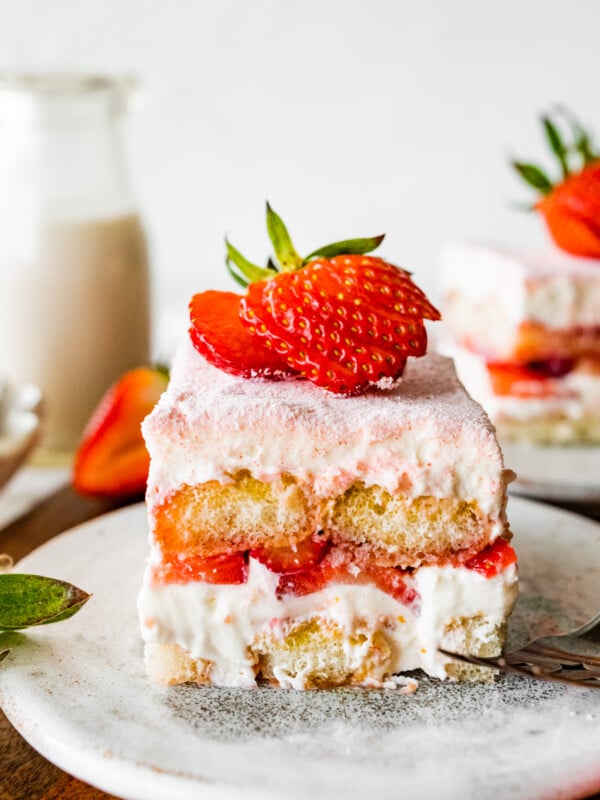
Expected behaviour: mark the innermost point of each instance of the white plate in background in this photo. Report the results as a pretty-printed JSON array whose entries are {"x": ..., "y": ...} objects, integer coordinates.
[{"x": 554, "y": 473}]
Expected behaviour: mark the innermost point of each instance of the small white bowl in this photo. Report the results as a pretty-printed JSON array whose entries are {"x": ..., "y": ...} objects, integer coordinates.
[{"x": 20, "y": 425}]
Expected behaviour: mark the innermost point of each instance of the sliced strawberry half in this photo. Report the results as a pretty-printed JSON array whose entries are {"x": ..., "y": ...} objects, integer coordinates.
[
  {"x": 218, "y": 334},
  {"x": 302, "y": 556},
  {"x": 343, "y": 323},
  {"x": 229, "y": 568},
  {"x": 112, "y": 459},
  {"x": 493, "y": 559},
  {"x": 342, "y": 319}
]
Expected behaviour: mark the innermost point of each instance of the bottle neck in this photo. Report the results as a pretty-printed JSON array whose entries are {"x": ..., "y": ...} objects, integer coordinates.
[{"x": 65, "y": 152}]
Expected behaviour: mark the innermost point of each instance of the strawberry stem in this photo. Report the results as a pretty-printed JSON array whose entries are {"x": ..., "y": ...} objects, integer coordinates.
[
  {"x": 244, "y": 272},
  {"x": 282, "y": 244},
  {"x": 237, "y": 278},
  {"x": 572, "y": 156},
  {"x": 533, "y": 176},
  {"x": 248, "y": 270},
  {"x": 346, "y": 247},
  {"x": 556, "y": 145}
]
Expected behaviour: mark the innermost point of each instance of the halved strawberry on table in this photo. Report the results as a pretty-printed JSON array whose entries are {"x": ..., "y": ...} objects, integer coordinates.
[
  {"x": 111, "y": 459},
  {"x": 570, "y": 205},
  {"x": 339, "y": 318}
]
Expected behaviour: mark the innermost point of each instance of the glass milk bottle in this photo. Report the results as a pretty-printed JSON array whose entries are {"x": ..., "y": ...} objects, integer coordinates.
[{"x": 74, "y": 284}]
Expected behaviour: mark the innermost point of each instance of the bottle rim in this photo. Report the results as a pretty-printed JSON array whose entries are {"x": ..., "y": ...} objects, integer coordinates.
[{"x": 65, "y": 83}]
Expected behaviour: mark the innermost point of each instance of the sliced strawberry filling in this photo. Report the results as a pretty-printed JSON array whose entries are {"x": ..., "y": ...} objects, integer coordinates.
[
  {"x": 229, "y": 568},
  {"x": 313, "y": 565},
  {"x": 493, "y": 559},
  {"x": 533, "y": 379},
  {"x": 333, "y": 569},
  {"x": 301, "y": 556}
]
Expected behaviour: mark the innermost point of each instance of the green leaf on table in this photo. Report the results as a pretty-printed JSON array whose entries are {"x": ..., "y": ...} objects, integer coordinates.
[{"x": 27, "y": 600}]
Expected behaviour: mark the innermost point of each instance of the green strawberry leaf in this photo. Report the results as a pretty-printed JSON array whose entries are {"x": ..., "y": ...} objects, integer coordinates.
[
  {"x": 282, "y": 244},
  {"x": 582, "y": 142},
  {"x": 27, "y": 600},
  {"x": 582, "y": 145},
  {"x": 236, "y": 277},
  {"x": 533, "y": 176},
  {"x": 252, "y": 272},
  {"x": 347, "y": 247},
  {"x": 556, "y": 144}
]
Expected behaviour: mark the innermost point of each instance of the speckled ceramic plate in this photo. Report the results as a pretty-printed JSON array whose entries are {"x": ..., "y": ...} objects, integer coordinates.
[
  {"x": 78, "y": 694},
  {"x": 554, "y": 473}
]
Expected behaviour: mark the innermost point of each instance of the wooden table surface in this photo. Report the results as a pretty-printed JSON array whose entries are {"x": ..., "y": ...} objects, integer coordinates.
[{"x": 24, "y": 774}]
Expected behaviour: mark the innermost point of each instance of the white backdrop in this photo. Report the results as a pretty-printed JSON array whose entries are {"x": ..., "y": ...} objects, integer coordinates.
[{"x": 352, "y": 118}]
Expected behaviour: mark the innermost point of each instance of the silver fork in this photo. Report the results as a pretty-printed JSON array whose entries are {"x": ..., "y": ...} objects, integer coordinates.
[{"x": 545, "y": 659}]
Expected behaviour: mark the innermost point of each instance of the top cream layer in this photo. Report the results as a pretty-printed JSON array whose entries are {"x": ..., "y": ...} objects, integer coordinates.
[
  {"x": 424, "y": 437},
  {"x": 544, "y": 286}
]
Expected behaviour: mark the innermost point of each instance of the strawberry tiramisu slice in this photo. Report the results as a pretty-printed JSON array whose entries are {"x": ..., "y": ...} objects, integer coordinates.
[
  {"x": 524, "y": 329},
  {"x": 327, "y": 528},
  {"x": 523, "y": 325}
]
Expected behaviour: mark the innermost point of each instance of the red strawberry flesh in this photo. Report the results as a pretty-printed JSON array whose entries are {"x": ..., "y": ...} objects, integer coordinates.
[
  {"x": 572, "y": 212},
  {"x": 302, "y": 556},
  {"x": 344, "y": 323},
  {"x": 333, "y": 569},
  {"x": 218, "y": 334},
  {"x": 229, "y": 568},
  {"x": 493, "y": 559},
  {"x": 112, "y": 460}
]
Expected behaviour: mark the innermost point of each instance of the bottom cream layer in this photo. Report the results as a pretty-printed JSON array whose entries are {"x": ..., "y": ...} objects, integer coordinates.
[
  {"x": 343, "y": 634},
  {"x": 571, "y": 414}
]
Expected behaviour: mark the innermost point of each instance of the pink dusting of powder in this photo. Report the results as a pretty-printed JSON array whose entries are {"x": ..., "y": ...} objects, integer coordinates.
[
  {"x": 409, "y": 438},
  {"x": 429, "y": 395}
]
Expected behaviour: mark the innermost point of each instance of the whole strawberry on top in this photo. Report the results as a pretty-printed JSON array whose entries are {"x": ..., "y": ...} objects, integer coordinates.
[
  {"x": 342, "y": 319},
  {"x": 570, "y": 205}
]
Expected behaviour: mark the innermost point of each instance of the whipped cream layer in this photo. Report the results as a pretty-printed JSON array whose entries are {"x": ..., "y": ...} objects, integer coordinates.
[
  {"x": 490, "y": 293},
  {"x": 575, "y": 396},
  {"x": 218, "y": 622},
  {"x": 424, "y": 437},
  {"x": 547, "y": 286}
]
